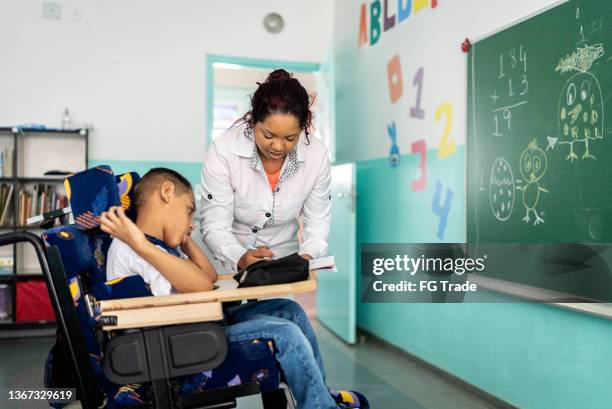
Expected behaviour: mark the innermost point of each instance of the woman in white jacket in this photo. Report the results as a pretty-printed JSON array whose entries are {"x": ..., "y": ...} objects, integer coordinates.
[
  {"x": 258, "y": 178},
  {"x": 261, "y": 175}
]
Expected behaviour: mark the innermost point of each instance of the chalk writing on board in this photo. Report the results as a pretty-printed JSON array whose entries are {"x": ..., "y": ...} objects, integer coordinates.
[
  {"x": 506, "y": 115},
  {"x": 581, "y": 114},
  {"x": 494, "y": 97},
  {"x": 482, "y": 188},
  {"x": 552, "y": 141},
  {"x": 581, "y": 60},
  {"x": 514, "y": 84},
  {"x": 501, "y": 189},
  {"x": 597, "y": 25},
  {"x": 533, "y": 164}
]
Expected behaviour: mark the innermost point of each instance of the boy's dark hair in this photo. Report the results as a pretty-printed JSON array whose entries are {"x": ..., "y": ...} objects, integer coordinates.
[{"x": 154, "y": 178}]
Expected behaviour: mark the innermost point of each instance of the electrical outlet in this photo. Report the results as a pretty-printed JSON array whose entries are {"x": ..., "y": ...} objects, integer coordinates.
[{"x": 52, "y": 10}]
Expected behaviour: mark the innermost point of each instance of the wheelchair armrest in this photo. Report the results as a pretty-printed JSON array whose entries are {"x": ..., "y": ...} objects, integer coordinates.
[
  {"x": 165, "y": 315},
  {"x": 164, "y": 352}
]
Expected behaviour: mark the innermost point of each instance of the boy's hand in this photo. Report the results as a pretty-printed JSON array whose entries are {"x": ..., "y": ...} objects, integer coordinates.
[
  {"x": 253, "y": 256},
  {"x": 188, "y": 244},
  {"x": 186, "y": 239},
  {"x": 117, "y": 224}
]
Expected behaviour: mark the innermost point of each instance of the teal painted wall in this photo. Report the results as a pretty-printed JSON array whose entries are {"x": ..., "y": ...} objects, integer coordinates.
[{"x": 530, "y": 355}]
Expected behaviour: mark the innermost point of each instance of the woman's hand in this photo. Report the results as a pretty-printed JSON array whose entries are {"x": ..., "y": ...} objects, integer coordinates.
[
  {"x": 117, "y": 224},
  {"x": 306, "y": 256},
  {"x": 253, "y": 256}
]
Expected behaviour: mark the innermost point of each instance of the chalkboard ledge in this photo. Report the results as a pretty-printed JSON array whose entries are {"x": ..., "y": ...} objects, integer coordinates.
[{"x": 541, "y": 295}]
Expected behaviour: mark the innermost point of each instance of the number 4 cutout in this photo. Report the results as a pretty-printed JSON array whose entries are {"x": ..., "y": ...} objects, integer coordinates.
[{"x": 443, "y": 210}]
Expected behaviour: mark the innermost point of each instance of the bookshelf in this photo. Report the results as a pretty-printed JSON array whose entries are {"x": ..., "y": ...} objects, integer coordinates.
[{"x": 26, "y": 154}]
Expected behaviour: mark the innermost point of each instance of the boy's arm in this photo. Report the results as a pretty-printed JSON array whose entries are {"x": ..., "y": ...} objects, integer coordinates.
[
  {"x": 184, "y": 275},
  {"x": 195, "y": 254}
]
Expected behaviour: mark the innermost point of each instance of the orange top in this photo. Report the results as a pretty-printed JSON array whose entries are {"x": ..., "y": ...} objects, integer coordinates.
[{"x": 273, "y": 178}]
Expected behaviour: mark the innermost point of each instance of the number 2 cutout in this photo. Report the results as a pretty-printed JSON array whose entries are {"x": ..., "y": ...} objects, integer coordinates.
[
  {"x": 446, "y": 147},
  {"x": 420, "y": 147}
]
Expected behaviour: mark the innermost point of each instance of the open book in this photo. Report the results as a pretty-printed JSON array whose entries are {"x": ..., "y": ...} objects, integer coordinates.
[{"x": 323, "y": 264}]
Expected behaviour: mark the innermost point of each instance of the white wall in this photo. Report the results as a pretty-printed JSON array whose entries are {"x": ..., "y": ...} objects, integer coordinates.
[
  {"x": 136, "y": 69},
  {"x": 429, "y": 38}
]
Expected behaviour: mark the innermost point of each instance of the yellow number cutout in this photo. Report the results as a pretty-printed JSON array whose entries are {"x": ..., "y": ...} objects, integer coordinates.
[{"x": 446, "y": 148}]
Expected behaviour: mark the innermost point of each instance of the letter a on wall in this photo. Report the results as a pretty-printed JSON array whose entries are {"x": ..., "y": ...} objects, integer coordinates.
[{"x": 363, "y": 26}]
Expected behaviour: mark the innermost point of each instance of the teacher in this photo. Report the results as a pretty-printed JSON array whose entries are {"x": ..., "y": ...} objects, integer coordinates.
[{"x": 262, "y": 175}]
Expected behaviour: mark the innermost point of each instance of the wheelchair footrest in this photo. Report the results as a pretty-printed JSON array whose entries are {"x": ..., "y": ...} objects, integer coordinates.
[{"x": 222, "y": 396}]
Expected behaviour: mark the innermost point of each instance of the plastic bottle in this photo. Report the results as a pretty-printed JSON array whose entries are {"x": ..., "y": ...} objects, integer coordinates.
[{"x": 66, "y": 120}]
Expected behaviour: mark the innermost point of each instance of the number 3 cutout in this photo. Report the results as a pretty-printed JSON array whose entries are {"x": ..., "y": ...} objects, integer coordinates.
[
  {"x": 446, "y": 148},
  {"x": 420, "y": 147}
]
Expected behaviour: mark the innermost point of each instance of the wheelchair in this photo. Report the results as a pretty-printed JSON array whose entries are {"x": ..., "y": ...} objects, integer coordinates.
[{"x": 176, "y": 366}]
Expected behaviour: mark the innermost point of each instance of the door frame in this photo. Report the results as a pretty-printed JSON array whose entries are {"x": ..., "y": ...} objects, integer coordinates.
[{"x": 212, "y": 59}]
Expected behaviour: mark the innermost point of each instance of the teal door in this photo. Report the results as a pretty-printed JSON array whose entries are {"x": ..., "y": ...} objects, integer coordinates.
[{"x": 336, "y": 290}]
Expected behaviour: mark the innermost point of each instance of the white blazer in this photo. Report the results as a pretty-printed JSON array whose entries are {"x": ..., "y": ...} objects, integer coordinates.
[{"x": 239, "y": 210}]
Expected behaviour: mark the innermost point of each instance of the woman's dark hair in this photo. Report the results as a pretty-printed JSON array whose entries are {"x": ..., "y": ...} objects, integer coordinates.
[{"x": 280, "y": 93}]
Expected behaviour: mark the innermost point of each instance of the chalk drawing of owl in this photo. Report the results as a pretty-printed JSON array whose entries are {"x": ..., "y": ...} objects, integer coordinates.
[{"x": 581, "y": 115}]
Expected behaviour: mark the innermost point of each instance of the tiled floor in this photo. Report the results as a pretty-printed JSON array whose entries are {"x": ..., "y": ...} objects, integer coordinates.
[{"x": 387, "y": 377}]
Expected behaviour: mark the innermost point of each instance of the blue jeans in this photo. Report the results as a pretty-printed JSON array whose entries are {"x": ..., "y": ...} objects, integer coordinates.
[{"x": 285, "y": 322}]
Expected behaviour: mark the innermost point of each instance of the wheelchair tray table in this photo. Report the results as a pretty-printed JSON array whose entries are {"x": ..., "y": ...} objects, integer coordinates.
[{"x": 180, "y": 306}]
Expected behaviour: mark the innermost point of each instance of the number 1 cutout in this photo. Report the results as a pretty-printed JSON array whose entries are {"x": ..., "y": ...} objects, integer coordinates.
[
  {"x": 421, "y": 148},
  {"x": 417, "y": 111}
]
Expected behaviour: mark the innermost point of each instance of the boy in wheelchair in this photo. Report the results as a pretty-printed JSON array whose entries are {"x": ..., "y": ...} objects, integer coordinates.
[{"x": 159, "y": 248}]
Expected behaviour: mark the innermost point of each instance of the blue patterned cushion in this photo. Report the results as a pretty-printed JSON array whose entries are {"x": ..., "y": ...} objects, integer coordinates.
[
  {"x": 125, "y": 287},
  {"x": 78, "y": 255},
  {"x": 126, "y": 185},
  {"x": 91, "y": 192}
]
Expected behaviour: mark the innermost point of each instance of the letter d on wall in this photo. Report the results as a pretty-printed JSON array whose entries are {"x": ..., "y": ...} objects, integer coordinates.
[{"x": 394, "y": 78}]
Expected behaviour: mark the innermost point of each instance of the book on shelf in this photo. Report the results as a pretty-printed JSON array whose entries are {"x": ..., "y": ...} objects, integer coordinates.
[
  {"x": 41, "y": 199},
  {"x": 6, "y": 265},
  {"x": 6, "y": 195},
  {"x": 6, "y": 162}
]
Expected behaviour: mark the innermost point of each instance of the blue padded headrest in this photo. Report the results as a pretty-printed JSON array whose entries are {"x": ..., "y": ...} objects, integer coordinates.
[
  {"x": 91, "y": 192},
  {"x": 126, "y": 184}
]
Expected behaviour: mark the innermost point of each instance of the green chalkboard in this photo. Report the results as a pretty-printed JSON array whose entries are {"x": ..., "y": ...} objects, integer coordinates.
[
  {"x": 540, "y": 129},
  {"x": 539, "y": 144}
]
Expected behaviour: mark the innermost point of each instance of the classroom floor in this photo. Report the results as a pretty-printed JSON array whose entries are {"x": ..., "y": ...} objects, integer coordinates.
[{"x": 387, "y": 377}]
